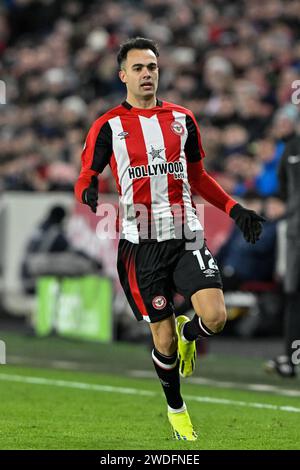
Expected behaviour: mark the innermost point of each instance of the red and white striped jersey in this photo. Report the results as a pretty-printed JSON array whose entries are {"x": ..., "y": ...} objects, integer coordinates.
[{"x": 150, "y": 152}]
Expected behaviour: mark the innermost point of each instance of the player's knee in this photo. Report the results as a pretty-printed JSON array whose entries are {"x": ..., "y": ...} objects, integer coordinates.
[
  {"x": 215, "y": 319},
  {"x": 166, "y": 345},
  {"x": 219, "y": 320}
]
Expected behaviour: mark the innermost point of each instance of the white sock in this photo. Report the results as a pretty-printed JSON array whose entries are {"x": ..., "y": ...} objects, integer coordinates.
[
  {"x": 178, "y": 410},
  {"x": 182, "y": 335}
]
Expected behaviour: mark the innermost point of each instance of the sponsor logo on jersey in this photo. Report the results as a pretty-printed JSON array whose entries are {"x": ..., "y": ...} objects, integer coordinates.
[
  {"x": 177, "y": 128},
  {"x": 159, "y": 302},
  {"x": 173, "y": 168}
]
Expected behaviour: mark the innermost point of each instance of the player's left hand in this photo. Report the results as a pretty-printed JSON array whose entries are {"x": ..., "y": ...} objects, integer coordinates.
[{"x": 248, "y": 221}]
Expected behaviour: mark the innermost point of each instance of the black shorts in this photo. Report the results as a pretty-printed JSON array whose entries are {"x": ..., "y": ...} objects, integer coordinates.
[{"x": 150, "y": 274}]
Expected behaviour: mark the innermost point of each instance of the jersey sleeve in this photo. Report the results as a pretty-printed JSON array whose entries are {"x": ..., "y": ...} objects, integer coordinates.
[
  {"x": 204, "y": 185},
  {"x": 200, "y": 181},
  {"x": 95, "y": 155},
  {"x": 193, "y": 145}
]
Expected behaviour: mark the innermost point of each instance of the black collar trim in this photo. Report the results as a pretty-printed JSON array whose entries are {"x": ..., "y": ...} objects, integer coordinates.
[{"x": 128, "y": 106}]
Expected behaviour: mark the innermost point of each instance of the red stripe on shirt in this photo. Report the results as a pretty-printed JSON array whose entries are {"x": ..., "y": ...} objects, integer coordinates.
[
  {"x": 172, "y": 141},
  {"x": 137, "y": 152}
]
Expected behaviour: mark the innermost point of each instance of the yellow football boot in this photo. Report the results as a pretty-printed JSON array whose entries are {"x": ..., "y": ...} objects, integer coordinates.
[
  {"x": 181, "y": 426},
  {"x": 186, "y": 349}
]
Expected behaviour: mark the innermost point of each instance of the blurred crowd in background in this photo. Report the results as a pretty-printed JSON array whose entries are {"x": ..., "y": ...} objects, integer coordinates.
[{"x": 231, "y": 62}]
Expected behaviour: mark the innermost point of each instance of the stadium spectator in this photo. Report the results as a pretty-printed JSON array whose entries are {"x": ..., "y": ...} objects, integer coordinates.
[
  {"x": 254, "y": 269},
  {"x": 231, "y": 63},
  {"x": 289, "y": 177},
  {"x": 239, "y": 261}
]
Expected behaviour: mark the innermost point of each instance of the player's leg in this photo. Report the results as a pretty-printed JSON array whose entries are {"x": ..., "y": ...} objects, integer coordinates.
[
  {"x": 284, "y": 365},
  {"x": 292, "y": 331},
  {"x": 197, "y": 278},
  {"x": 166, "y": 364},
  {"x": 165, "y": 361},
  {"x": 210, "y": 314},
  {"x": 151, "y": 301},
  {"x": 209, "y": 319}
]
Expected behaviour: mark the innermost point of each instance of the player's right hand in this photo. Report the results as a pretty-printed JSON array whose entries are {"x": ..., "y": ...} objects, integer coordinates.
[{"x": 90, "y": 194}]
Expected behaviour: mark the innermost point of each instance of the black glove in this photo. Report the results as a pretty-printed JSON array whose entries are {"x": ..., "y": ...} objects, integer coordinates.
[
  {"x": 248, "y": 221},
  {"x": 90, "y": 194}
]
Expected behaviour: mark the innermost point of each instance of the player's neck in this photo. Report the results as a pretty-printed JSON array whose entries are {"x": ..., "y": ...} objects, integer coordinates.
[{"x": 141, "y": 103}]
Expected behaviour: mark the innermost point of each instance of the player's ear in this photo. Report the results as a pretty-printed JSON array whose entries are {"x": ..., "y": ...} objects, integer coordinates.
[{"x": 122, "y": 76}]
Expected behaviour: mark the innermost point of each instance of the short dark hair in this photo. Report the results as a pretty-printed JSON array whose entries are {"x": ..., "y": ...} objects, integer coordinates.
[{"x": 135, "y": 43}]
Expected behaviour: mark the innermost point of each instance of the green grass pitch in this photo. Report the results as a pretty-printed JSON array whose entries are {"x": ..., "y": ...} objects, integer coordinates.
[{"x": 48, "y": 408}]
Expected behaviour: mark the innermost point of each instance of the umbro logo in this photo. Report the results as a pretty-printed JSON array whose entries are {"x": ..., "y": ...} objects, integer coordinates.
[
  {"x": 294, "y": 159},
  {"x": 123, "y": 135},
  {"x": 209, "y": 273},
  {"x": 164, "y": 384}
]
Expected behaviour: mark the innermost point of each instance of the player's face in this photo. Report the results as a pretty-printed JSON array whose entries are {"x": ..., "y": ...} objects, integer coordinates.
[{"x": 140, "y": 73}]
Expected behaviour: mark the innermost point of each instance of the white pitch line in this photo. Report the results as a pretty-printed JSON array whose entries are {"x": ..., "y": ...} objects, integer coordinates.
[
  {"x": 78, "y": 366},
  {"x": 135, "y": 391},
  {"x": 55, "y": 364},
  {"x": 76, "y": 385},
  {"x": 225, "y": 384}
]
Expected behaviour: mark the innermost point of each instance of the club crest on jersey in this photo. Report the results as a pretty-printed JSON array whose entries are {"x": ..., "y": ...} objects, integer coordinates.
[
  {"x": 159, "y": 302},
  {"x": 177, "y": 128}
]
